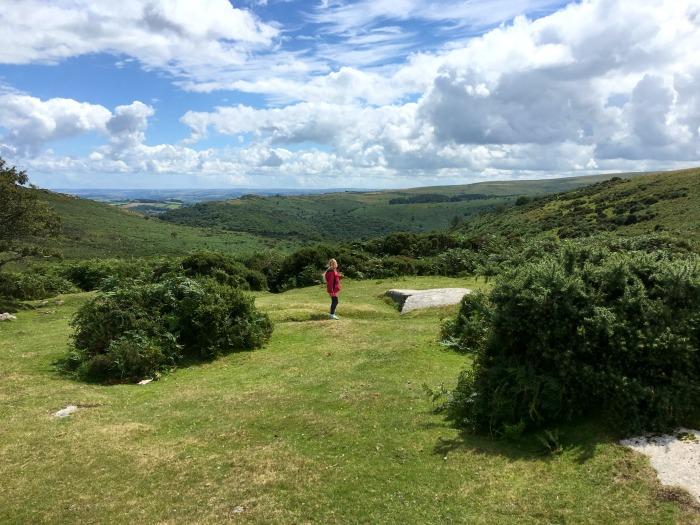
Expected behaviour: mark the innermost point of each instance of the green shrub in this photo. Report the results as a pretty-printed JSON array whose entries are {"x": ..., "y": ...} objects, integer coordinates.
[
  {"x": 89, "y": 274},
  {"x": 139, "y": 329},
  {"x": 456, "y": 261},
  {"x": 398, "y": 265},
  {"x": 580, "y": 331},
  {"x": 136, "y": 355},
  {"x": 225, "y": 269},
  {"x": 33, "y": 284},
  {"x": 469, "y": 331},
  {"x": 302, "y": 268}
]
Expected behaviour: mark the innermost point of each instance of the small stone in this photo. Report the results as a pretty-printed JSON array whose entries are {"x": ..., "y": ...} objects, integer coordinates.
[
  {"x": 144, "y": 381},
  {"x": 238, "y": 509},
  {"x": 65, "y": 412},
  {"x": 7, "y": 317}
]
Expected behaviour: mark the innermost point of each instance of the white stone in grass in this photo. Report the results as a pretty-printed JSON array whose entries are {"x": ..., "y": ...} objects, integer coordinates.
[
  {"x": 675, "y": 457},
  {"x": 7, "y": 317},
  {"x": 65, "y": 412},
  {"x": 144, "y": 381},
  {"x": 238, "y": 509},
  {"x": 409, "y": 300}
]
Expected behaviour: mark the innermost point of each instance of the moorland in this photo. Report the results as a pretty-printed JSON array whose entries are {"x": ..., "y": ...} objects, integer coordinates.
[{"x": 582, "y": 328}]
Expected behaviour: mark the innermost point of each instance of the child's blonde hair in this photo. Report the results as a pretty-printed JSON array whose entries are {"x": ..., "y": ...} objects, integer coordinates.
[{"x": 332, "y": 263}]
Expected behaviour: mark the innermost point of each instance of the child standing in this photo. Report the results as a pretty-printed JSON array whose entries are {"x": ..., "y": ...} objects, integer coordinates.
[{"x": 333, "y": 277}]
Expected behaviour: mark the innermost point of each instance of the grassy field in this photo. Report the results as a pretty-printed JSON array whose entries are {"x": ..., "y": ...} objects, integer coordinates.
[
  {"x": 668, "y": 202},
  {"x": 327, "y": 424},
  {"x": 360, "y": 215},
  {"x": 93, "y": 229}
]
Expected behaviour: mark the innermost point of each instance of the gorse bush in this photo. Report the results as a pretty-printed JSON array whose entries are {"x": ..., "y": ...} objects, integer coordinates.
[
  {"x": 33, "y": 285},
  {"x": 138, "y": 329},
  {"x": 583, "y": 330},
  {"x": 224, "y": 269},
  {"x": 89, "y": 274},
  {"x": 469, "y": 330}
]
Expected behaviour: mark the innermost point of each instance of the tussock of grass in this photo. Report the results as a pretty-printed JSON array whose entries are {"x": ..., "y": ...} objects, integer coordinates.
[{"x": 328, "y": 424}]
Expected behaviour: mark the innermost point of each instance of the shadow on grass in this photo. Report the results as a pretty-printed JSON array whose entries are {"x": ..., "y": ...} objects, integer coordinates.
[
  {"x": 303, "y": 317},
  {"x": 67, "y": 368},
  {"x": 13, "y": 306},
  {"x": 578, "y": 440}
]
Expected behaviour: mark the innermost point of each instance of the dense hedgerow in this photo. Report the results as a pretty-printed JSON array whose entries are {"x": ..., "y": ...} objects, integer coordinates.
[
  {"x": 581, "y": 331},
  {"x": 139, "y": 329}
]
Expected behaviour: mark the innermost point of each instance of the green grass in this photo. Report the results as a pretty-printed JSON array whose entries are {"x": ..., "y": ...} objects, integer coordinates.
[
  {"x": 360, "y": 215},
  {"x": 328, "y": 424},
  {"x": 93, "y": 229},
  {"x": 668, "y": 202}
]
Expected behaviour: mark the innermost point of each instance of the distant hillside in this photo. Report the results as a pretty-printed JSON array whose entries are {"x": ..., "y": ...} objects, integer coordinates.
[
  {"x": 360, "y": 215},
  {"x": 667, "y": 201},
  {"x": 93, "y": 229},
  {"x": 630, "y": 204}
]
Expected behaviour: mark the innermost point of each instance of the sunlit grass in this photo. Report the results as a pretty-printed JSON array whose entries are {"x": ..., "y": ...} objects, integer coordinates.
[{"x": 328, "y": 424}]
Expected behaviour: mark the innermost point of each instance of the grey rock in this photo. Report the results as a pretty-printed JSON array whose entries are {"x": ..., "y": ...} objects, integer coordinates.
[
  {"x": 409, "y": 300},
  {"x": 7, "y": 317},
  {"x": 675, "y": 457},
  {"x": 65, "y": 412}
]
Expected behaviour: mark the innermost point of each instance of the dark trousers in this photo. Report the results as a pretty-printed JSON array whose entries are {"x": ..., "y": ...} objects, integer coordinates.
[{"x": 334, "y": 304}]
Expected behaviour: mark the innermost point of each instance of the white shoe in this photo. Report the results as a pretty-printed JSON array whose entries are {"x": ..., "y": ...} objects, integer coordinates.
[{"x": 333, "y": 316}]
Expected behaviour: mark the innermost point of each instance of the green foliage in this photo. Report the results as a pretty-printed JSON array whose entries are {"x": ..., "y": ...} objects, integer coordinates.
[
  {"x": 89, "y": 274},
  {"x": 469, "y": 330},
  {"x": 302, "y": 268},
  {"x": 412, "y": 244},
  {"x": 26, "y": 221},
  {"x": 345, "y": 398},
  {"x": 550, "y": 441},
  {"x": 455, "y": 262},
  {"x": 141, "y": 329},
  {"x": 583, "y": 330},
  {"x": 96, "y": 230},
  {"x": 352, "y": 216},
  {"x": 225, "y": 269},
  {"x": 33, "y": 285},
  {"x": 422, "y": 198},
  {"x": 630, "y": 206}
]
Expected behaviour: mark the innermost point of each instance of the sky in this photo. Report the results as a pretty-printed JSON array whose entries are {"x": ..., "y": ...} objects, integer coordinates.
[{"x": 345, "y": 94}]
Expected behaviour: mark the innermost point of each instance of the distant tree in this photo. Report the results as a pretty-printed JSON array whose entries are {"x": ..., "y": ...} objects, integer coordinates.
[{"x": 25, "y": 221}]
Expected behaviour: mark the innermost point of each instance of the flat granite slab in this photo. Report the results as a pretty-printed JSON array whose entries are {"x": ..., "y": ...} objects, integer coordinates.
[{"x": 409, "y": 300}]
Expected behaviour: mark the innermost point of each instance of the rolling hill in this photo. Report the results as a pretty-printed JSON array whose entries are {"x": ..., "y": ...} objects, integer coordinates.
[
  {"x": 569, "y": 207},
  {"x": 93, "y": 229},
  {"x": 665, "y": 201},
  {"x": 360, "y": 215}
]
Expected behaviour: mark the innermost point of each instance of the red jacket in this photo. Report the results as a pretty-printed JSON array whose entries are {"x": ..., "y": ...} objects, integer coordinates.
[{"x": 333, "y": 282}]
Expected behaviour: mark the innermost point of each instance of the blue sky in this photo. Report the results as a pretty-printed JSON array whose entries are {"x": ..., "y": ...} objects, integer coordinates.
[{"x": 339, "y": 93}]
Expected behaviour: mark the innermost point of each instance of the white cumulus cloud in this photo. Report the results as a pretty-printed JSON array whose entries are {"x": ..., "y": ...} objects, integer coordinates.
[
  {"x": 179, "y": 36},
  {"x": 30, "y": 122},
  {"x": 596, "y": 85}
]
